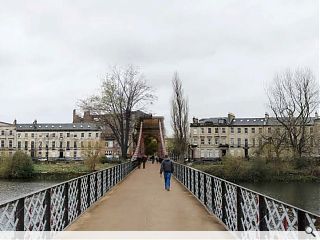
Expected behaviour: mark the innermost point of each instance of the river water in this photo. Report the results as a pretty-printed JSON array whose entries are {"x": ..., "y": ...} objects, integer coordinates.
[
  {"x": 299, "y": 194},
  {"x": 16, "y": 188}
]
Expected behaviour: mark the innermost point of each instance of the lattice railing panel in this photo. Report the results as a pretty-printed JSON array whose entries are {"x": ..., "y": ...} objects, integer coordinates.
[
  {"x": 202, "y": 187},
  {"x": 231, "y": 206},
  {"x": 92, "y": 188},
  {"x": 218, "y": 198},
  {"x": 249, "y": 211},
  {"x": 196, "y": 182},
  {"x": 84, "y": 193},
  {"x": 73, "y": 200},
  {"x": 35, "y": 208},
  {"x": 192, "y": 181},
  {"x": 58, "y": 198},
  {"x": 104, "y": 182},
  {"x": 99, "y": 187},
  {"x": 209, "y": 193},
  {"x": 280, "y": 217},
  {"x": 7, "y": 216}
]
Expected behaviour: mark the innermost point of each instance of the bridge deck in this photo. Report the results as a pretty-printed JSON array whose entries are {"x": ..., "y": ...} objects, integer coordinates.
[{"x": 141, "y": 203}]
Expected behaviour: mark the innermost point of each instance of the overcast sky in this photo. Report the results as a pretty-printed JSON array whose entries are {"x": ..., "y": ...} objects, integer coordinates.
[{"x": 53, "y": 53}]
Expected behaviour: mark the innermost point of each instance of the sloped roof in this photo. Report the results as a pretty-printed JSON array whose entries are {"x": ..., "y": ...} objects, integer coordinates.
[{"x": 57, "y": 127}]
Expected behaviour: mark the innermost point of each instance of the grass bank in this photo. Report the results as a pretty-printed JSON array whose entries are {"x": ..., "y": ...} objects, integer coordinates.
[{"x": 260, "y": 170}]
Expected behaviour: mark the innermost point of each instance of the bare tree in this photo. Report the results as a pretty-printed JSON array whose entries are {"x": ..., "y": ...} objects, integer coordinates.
[
  {"x": 123, "y": 91},
  {"x": 179, "y": 117},
  {"x": 293, "y": 97},
  {"x": 92, "y": 152}
]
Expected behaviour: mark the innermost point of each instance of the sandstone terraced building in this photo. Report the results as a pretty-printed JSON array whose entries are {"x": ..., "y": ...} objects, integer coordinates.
[{"x": 216, "y": 137}]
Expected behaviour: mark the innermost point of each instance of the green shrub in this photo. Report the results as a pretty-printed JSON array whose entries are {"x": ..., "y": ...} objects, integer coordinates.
[{"x": 18, "y": 166}]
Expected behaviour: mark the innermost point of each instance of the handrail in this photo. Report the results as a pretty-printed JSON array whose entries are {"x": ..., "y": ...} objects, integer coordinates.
[
  {"x": 240, "y": 208},
  {"x": 54, "y": 208}
]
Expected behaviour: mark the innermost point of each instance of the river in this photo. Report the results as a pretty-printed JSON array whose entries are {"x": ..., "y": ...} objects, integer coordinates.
[
  {"x": 299, "y": 194},
  {"x": 16, "y": 188}
]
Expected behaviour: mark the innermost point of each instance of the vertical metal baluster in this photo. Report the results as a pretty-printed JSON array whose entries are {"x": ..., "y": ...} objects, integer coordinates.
[
  {"x": 88, "y": 190},
  {"x": 213, "y": 195},
  {"x": 19, "y": 215},
  {"x": 302, "y": 221},
  {"x": 47, "y": 214},
  {"x": 79, "y": 196},
  {"x": 263, "y": 212},
  {"x": 66, "y": 204},
  {"x": 224, "y": 201},
  {"x": 239, "y": 210}
]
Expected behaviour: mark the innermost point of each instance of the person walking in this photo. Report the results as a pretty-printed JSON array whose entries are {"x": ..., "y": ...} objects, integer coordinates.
[
  {"x": 167, "y": 169},
  {"x": 144, "y": 160}
]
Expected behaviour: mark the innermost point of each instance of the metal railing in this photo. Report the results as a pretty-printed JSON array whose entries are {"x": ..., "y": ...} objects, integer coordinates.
[
  {"x": 241, "y": 209},
  {"x": 54, "y": 208}
]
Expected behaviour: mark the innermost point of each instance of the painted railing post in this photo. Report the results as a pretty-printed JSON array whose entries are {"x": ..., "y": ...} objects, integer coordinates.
[
  {"x": 47, "y": 214},
  {"x": 302, "y": 221},
  {"x": 263, "y": 212},
  {"x": 19, "y": 215},
  {"x": 88, "y": 190},
  {"x": 224, "y": 201},
  {"x": 79, "y": 196},
  {"x": 66, "y": 204},
  {"x": 205, "y": 190},
  {"x": 213, "y": 195},
  {"x": 239, "y": 210}
]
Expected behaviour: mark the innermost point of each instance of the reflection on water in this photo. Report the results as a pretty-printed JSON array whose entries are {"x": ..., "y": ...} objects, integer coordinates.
[
  {"x": 299, "y": 194},
  {"x": 16, "y": 188}
]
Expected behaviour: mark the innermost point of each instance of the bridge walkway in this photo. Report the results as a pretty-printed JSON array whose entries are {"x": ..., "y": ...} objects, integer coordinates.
[{"x": 141, "y": 203}]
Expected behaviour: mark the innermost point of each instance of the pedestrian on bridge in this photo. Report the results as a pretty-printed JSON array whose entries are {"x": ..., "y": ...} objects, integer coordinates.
[
  {"x": 144, "y": 160},
  {"x": 167, "y": 169}
]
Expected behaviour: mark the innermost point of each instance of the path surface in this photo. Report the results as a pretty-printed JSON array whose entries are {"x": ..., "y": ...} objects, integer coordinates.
[{"x": 141, "y": 203}]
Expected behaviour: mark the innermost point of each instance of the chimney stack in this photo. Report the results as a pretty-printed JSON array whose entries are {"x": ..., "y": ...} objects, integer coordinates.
[
  {"x": 195, "y": 120},
  {"x": 15, "y": 122},
  {"x": 231, "y": 116},
  {"x": 316, "y": 115}
]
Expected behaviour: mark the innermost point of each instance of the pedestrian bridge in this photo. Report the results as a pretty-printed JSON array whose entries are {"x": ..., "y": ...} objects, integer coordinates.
[
  {"x": 123, "y": 197},
  {"x": 140, "y": 203}
]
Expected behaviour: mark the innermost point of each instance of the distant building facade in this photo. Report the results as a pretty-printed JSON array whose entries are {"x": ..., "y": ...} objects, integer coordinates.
[
  {"x": 217, "y": 137},
  {"x": 48, "y": 140}
]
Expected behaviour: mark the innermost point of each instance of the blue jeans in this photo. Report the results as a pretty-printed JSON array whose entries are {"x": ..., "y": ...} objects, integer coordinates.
[{"x": 167, "y": 177}]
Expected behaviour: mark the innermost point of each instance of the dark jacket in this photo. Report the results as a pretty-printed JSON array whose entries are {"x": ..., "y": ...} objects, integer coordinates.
[{"x": 166, "y": 166}]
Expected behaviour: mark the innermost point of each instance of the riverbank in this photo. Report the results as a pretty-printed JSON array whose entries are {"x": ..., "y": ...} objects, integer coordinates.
[
  {"x": 240, "y": 170},
  {"x": 63, "y": 171}
]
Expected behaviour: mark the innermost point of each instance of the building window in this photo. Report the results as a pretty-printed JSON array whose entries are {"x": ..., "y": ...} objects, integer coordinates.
[
  {"x": 75, "y": 144},
  {"x": 239, "y": 130},
  {"x": 209, "y": 140},
  {"x": 202, "y": 130},
  {"x": 253, "y": 142},
  {"x": 19, "y": 135},
  {"x": 74, "y": 154},
  {"x": 2, "y": 132},
  {"x": 239, "y": 142},
  {"x": 216, "y": 141},
  {"x": 26, "y": 145},
  {"x": 53, "y": 135},
  {"x": 97, "y": 135},
  {"x": 32, "y": 145},
  {"x": 246, "y": 142},
  {"x": 223, "y": 130},
  {"x": 61, "y": 144},
  {"x": 232, "y": 142},
  {"x": 260, "y": 130},
  {"x": 68, "y": 145},
  {"x": 216, "y": 130},
  {"x": 61, "y": 135},
  {"x": 269, "y": 129},
  {"x": 81, "y": 144},
  {"x": 53, "y": 145},
  {"x": 202, "y": 141},
  {"x": 194, "y": 131},
  {"x": 19, "y": 145},
  {"x": 253, "y": 130},
  {"x": 245, "y": 130},
  {"x": 26, "y": 135},
  {"x": 32, "y": 135},
  {"x": 47, "y": 135},
  {"x": 89, "y": 135},
  {"x": 2, "y": 143},
  {"x": 68, "y": 134},
  {"x": 209, "y": 130},
  {"x": 232, "y": 130},
  {"x": 260, "y": 142},
  {"x": 82, "y": 135},
  {"x": 10, "y": 143},
  {"x": 40, "y": 145},
  {"x": 10, "y": 132}
]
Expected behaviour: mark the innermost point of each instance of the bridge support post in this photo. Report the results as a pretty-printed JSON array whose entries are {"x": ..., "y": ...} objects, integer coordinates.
[
  {"x": 302, "y": 221},
  {"x": 239, "y": 210},
  {"x": 47, "y": 204},
  {"x": 19, "y": 215},
  {"x": 263, "y": 212},
  {"x": 66, "y": 204}
]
